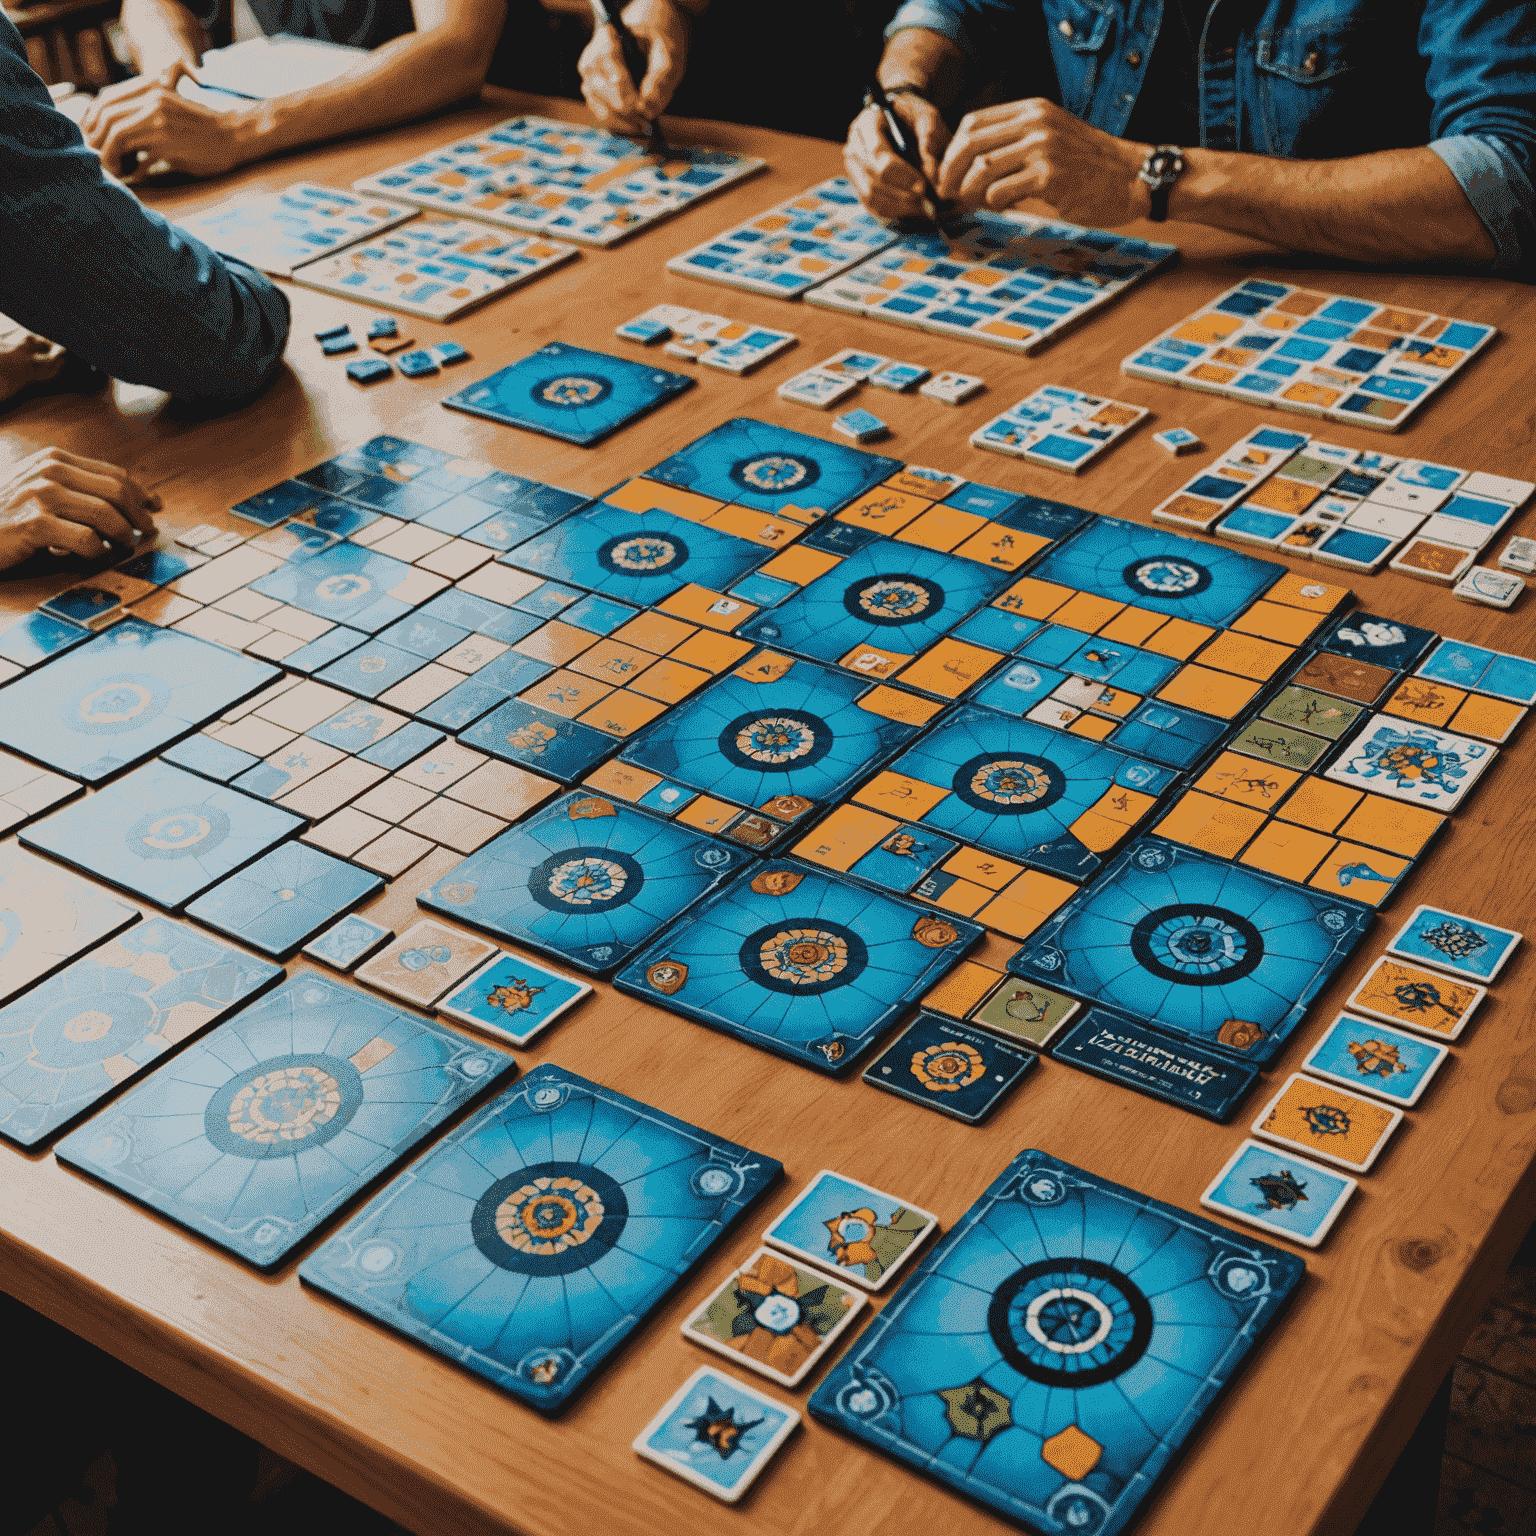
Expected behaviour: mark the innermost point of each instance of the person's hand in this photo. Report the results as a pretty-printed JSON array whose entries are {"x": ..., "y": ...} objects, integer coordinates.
[
  {"x": 57, "y": 500},
  {"x": 886, "y": 184},
  {"x": 617, "y": 102},
  {"x": 1001, "y": 155},
  {"x": 27, "y": 359},
  {"x": 145, "y": 123}
]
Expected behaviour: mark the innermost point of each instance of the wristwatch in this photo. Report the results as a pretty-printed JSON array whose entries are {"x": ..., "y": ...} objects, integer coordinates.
[{"x": 1159, "y": 171}]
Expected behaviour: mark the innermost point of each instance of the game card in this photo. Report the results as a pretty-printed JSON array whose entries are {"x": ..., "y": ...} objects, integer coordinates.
[
  {"x": 1280, "y": 1193},
  {"x": 961, "y": 1072},
  {"x": 513, "y": 998},
  {"x": 424, "y": 962},
  {"x": 850, "y": 1228},
  {"x": 1464, "y": 946},
  {"x": 1328, "y": 1122},
  {"x": 343, "y": 944},
  {"x": 1025, "y": 1011},
  {"x": 1425, "y": 1000},
  {"x": 1379, "y": 1061}
]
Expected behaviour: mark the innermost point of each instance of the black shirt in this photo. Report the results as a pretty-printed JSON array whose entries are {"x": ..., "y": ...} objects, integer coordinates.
[
  {"x": 1167, "y": 109},
  {"x": 360, "y": 23}
]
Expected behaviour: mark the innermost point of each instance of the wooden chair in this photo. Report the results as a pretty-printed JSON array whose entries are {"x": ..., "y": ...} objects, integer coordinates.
[{"x": 70, "y": 41}]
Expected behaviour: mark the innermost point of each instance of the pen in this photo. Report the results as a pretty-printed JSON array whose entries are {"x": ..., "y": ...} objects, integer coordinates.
[
  {"x": 904, "y": 143},
  {"x": 634, "y": 59}
]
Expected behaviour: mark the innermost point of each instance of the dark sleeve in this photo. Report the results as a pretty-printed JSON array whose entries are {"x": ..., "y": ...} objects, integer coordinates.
[{"x": 86, "y": 264}]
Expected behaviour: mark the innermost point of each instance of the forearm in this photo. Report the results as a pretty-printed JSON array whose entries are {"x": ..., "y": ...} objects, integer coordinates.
[
  {"x": 160, "y": 32},
  {"x": 929, "y": 60}
]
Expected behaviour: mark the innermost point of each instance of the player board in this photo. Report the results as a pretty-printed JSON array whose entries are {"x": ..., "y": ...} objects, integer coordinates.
[
  {"x": 561, "y": 179},
  {"x": 1227, "y": 956},
  {"x": 279, "y": 231},
  {"x": 436, "y": 267},
  {"x": 529, "y": 1243},
  {"x": 800, "y": 962},
  {"x": 787, "y": 248},
  {"x": 256, "y": 1133},
  {"x": 1323, "y": 354},
  {"x": 103, "y": 706},
  {"x": 1009, "y": 280},
  {"x": 1057, "y": 1348},
  {"x": 584, "y": 879},
  {"x": 101, "y": 1021}
]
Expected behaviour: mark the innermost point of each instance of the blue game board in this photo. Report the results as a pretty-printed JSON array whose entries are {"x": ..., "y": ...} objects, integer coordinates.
[
  {"x": 532, "y": 1241},
  {"x": 1052, "y": 1354}
]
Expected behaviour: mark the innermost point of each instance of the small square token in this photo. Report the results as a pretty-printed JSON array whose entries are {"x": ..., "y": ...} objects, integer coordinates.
[
  {"x": 448, "y": 353},
  {"x": 813, "y": 387},
  {"x": 850, "y": 1228},
  {"x": 343, "y": 944},
  {"x": 1385, "y": 1063},
  {"x": 384, "y": 325},
  {"x": 1492, "y": 588},
  {"x": 952, "y": 388},
  {"x": 957, "y": 1070},
  {"x": 1176, "y": 440},
  {"x": 1279, "y": 1193},
  {"x": 774, "y": 1317},
  {"x": 513, "y": 998},
  {"x": 853, "y": 364},
  {"x": 1025, "y": 1011},
  {"x": 862, "y": 426},
  {"x": 1328, "y": 1122},
  {"x": 331, "y": 332},
  {"x": 898, "y": 376},
  {"x": 368, "y": 370},
  {"x": 644, "y": 330},
  {"x": 1519, "y": 555},
  {"x": 417, "y": 364},
  {"x": 717, "y": 1433},
  {"x": 1425, "y": 1000},
  {"x": 333, "y": 346},
  {"x": 391, "y": 343},
  {"x": 1461, "y": 945},
  {"x": 424, "y": 962}
]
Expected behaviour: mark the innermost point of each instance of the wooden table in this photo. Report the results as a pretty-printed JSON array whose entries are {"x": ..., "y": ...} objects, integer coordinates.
[{"x": 1317, "y": 1419}]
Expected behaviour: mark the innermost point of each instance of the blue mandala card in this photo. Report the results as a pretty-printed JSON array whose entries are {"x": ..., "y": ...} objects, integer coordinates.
[
  {"x": 958, "y": 1071},
  {"x": 106, "y": 1017},
  {"x": 162, "y": 833},
  {"x": 349, "y": 585},
  {"x": 570, "y": 393},
  {"x": 260, "y": 1131},
  {"x": 531, "y": 1241},
  {"x": 284, "y": 898},
  {"x": 1465, "y": 946},
  {"x": 513, "y": 998},
  {"x": 343, "y": 944},
  {"x": 119, "y": 699},
  {"x": 1054, "y": 1352},
  {"x": 585, "y": 879},
  {"x": 799, "y": 962}
]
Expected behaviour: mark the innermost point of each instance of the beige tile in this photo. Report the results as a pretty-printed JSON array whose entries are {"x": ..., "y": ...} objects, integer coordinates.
[
  {"x": 411, "y": 543},
  {"x": 417, "y": 587},
  {"x": 458, "y": 826},
  {"x": 394, "y": 800},
  {"x": 239, "y": 568},
  {"x": 443, "y": 765},
  {"x": 163, "y": 608},
  {"x": 499, "y": 583},
  {"x": 256, "y": 700},
  {"x": 273, "y": 646},
  {"x": 294, "y": 621},
  {"x": 382, "y": 529},
  {"x": 332, "y": 789},
  {"x": 248, "y": 605},
  {"x": 221, "y": 628},
  {"x": 305, "y": 706},
  {"x": 470, "y": 655},
  {"x": 421, "y": 688},
  {"x": 503, "y": 790},
  {"x": 258, "y": 737},
  {"x": 393, "y": 853},
  {"x": 456, "y": 559},
  {"x": 345, "y": 832}
]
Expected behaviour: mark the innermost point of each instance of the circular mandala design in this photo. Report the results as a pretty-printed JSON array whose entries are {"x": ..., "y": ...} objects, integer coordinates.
[
  {"x": 285, "y": 1105},
  {"x": 549, "y": 1219},
  {"x": 1009, "y": 786},
  {"x": 1070, "y": 1322},
  {"x": 775, "y": 743},
  {"x": 894, "y": 599},
  {"x": 571, "y": 391},
  {"x": 643, "y": 554},
  {"x": 126, "y": 702},
  {"x": 772, "y": 474},
  {"x": 804, "y": 958},
  {"x": 70, "y": 1034},
  {"x": 189, "y": 831},
  {"x": 1166, "y": 576},
  {"x": 1197, "y": 945},
  {"x": 577, "y": 880}
]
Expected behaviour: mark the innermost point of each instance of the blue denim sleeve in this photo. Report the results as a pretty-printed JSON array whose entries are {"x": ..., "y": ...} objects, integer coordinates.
[
  {"x": 1482, "y": 83},
  {"x": 87, "y": 265},
  {"x": 977, "y": 27}
]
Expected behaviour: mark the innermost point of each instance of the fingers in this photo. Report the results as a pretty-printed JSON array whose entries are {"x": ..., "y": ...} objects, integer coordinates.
[
  {"x": 983, "y": 133},
  {"x": 46, "y": 530},
  {"x": 126, "y": 132},
  {"x": 111, "y": 96},
  {"x": 54, "y": 469},
  {"x": 886, "y": 184},
  {"x": 607, "y": 87},
  {"x": 663, "y": 75},
  {"x": 992, "y": 165}
]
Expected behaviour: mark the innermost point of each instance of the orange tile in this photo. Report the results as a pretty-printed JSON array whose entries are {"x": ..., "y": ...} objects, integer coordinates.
[
  {"x": 963, "y": 898},
  {"x": 1246, "y": 656},
  {"x": 1274, "y": 621},
  {"x": 1004, "y": 549},
  {"x": 941, "y": 528},
  {"x": 611, "y": 662},
  {"x": 1123, "y": 806},
  {"x": 1366, "y": 874},
  {"x": 962, "y": 989},
  {"x": 1206, "y": 329},
  {"x": 950, "y": 667},
  {"x": 1025, "y": 904},
  {"x": 893, "y": 704},
  {"x": 1086, "y": 612},
  {"x": 1288, "y": 851},
  {"x": 870, "y": 661},
  {"x": 554, "y": 642},
  {"x": 981, "y": 868},
  {"x": 1213, "y": 693},
  {"x": 1094, "y": 727},
  {"x": 1292, "y": 497},
  {"x": 640, "y": 495},
  {"x": 1133, "y": 626},
  {"x": 1488, "y": 719},
  {"x": 800, "y": 565},
  {"x": 1429, "y": 703},
  {"x": 765, "y": 667},
  {"x": 844, "y": 837},
  {"x": 652, "y": 632},
  {"x": 1033, "y": 599},
  {"x": 621, "y": 781},
  {"x": 1247, "y": 781},
  {"x": 712, "y": 652},
  {"x": 759, "y": 527},
  {"x": 706, "y": 815},
  {"x": 1308, "y": 593},
  {"x": 885, "y": 510},
  {"x": 669, "y": 681},
  {"x": 1179, "y": 638},
  {"x": 899, "y": 795},
  {"x": 1212, "y": 825},
  {"x": 1319, "y": 804},
  {"x": 565, "y": 693},
  {"x": 1390, "y": 824},
  {"x": 714, "y": 610}
]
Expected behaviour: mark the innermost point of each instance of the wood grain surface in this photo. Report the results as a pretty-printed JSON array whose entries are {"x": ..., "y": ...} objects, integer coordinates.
[{"x": 1311, "y": 1427}]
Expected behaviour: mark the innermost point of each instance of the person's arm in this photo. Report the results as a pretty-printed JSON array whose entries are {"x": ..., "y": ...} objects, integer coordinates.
[
  {"x": 88, "y": 266},
  {"x": 442, "y": 62},
  {"x": 160, "y": 33},
  {"x": 57, "y": 500},
  {"x": 620, "y": 103}
]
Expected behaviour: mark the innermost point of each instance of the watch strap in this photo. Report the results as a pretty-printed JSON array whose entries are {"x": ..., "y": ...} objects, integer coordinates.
[{"x": 1160, "y": 170}]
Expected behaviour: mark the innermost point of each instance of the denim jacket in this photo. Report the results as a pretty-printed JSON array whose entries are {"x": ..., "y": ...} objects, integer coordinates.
[{"x": 1302, "y": 79}]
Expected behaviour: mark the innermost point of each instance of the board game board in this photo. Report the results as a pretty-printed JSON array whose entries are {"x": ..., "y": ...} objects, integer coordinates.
[
  {"x": 1008, "y": 280},
  {"x": 435, "y": 267},
  {"x": 1323, "y": 354},
  {"x": 1058, "y": 1347},
  {"x": 787, "y": 248},
  {"x": 534, "y": 1239},
  {"x": 562, "y": 179}
]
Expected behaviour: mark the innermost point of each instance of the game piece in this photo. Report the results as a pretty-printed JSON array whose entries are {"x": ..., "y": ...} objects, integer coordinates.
[
  {"x": 774, "y": 1317},
  {"x": 1492, "y": 588},
  {"x": 1411, "y": 762},
  {"x": 1280, "y": 1193},
  {"x": 1382, "y": 1062},
  {"x": 686, "y": 349},
  {"x": 1013, "y": 281},
  {"x": 448, "y": 353},
  {"x": 852, "y": 1229},
  {"x": 898, "y": 376},
  {"x": 862, "y": 426},
  {"x": 788, "y": 248},
  {"x": 952, "y": 388},
  {"x": 512, "y": 998},
  {"x": 331, "y": 332},
  {"x": 818, "y": 389},
  {"x": 531, "y": 1197},
  {"x": 1491, "y": 672},
  {"x": 1058, "y": 428},
  {"x": 436, "y": 267},
  {"x": 1016, "y": 1343},
  {"x": 278, "y": 231},
  {"x": 382, "y": 326},
  {"x": 343, "y": 944},
  {"x": 740, "y": 348},
  {"x": 35, "y": 637},
  {"x": 90, "y": 606},
  {"x": 1177, "y": 440},
  {"x": 1384, "y": 642},
  {"x": 961, "y": 1072},
  {"x": 1328, "y": 1122},
  {"x": 644, "y": 330},
  {"x": 1346, "y": 359},
  {"x": 1017, "y": 1011},
  {"x": 416, "y": 365},
  {"x": 334, "y": 346},
  {"x": 391, "y": 344},
  {"x": 255, "y": 1134},
  {"x": 558, "y": 178},
  {"x": 851, "y": 363},
  {"x": 368, "y": 370},
  {"x": 1519, "y": 555},
  {"x": 98, "y": 1023},
  {"x": 1464, "y": 946},
  {"x": 424, "y": 962},
  {"x": 1429, "y": 560},
  {"x": 118, "y": 699},
  {"x": 569, "y": 393}
]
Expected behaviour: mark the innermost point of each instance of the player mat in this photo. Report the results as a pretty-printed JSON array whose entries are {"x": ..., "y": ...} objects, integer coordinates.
[
  {"x": 529, "y": 1243},
  {"x": 1054, "y": 1352}
]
